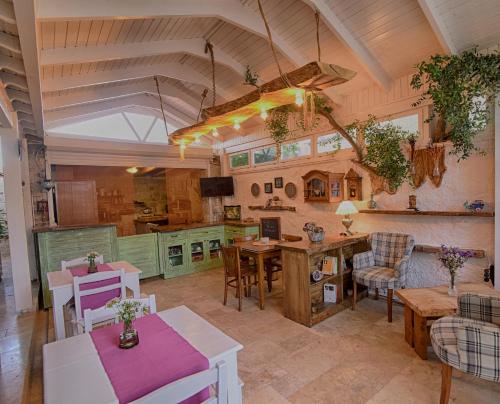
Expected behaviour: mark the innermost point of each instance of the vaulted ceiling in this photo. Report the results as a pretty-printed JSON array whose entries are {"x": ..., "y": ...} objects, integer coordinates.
[{"x": 96, "y": 56}]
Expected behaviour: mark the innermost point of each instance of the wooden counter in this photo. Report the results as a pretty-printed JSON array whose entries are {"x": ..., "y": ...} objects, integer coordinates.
[
  {"x": 46, "y": 229},
  {"x": 302, "y": 298},
  {"x": 179, "y": 227}
]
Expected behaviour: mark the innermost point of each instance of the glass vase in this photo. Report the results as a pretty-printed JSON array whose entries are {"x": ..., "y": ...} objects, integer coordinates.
[
  {"x": 452, "y": 289},
  {"x": 129, "y": 337},
  {"x": 92, "y": 267}
]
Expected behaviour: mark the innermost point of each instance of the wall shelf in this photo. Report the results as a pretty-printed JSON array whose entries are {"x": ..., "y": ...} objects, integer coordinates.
[
  {"x": 272, "y": 208},
  {"x": 430, "y": 249},
  {"x": 408, "y": 212}
]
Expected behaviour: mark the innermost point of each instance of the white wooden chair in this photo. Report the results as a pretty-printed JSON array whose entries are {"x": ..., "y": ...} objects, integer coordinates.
[
  {"x": 79, "y": 262},
  {"x": 76, "y": 324},
  {"x": 105, "y": 315},
  {"x": 188, "y": 386}
]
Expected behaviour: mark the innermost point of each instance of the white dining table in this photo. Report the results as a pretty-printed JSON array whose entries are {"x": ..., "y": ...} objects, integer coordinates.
[
  {"x": 61, "y": 288},
  {"x": 73, "y": 372}
]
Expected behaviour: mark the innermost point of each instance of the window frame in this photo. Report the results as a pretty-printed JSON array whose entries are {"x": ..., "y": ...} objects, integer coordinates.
[
  {"x": 326, "y": 153},
  {"x": 247, "y": 152},
  {"x": 254, "y": 150},
  {"x": 298, "y": 140}
]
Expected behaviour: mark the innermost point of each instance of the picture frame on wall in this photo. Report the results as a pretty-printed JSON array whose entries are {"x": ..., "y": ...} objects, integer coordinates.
[
  {"x": 278, "y": 182},
  {"x": 268, "y": 187}
]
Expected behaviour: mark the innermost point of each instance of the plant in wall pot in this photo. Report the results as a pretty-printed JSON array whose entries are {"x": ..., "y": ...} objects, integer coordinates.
[{"x": 461, "y": 88}]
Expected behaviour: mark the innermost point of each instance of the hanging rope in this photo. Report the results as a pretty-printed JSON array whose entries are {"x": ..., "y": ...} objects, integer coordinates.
[
  {"x": 283, "y": 75},
  {"x": 161, "y": 106},
  {"x": 316, "y": 15},
  {"x": 203, "y": 96},
  {"x": 209, "y": 48}
]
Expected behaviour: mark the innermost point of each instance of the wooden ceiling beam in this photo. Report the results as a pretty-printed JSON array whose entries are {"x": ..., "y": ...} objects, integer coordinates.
[
  {"x": 172, "y": 70},
  {"x": 364, "y": 56},
  {"x": 431, "y": 13},
  {"x": 97, "y": 53}
]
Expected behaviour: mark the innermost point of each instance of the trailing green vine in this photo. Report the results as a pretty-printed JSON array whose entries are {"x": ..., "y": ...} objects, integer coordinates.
[
  {"x": 461, "y": 88},
  {"x": 277, "y": 124}
]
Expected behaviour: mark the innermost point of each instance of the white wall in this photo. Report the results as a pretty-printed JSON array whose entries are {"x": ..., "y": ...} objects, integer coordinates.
[{"x": 467, "y": 180}]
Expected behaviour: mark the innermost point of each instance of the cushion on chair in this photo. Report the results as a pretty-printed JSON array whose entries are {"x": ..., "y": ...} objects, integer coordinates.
[
  {"x": 363, "y": 260},
  {"x": 377, "y": 277},
  {"x": 444, "y": 339},
  {"x": 390, "y": 247},
  {"x": 479, "y": 349},
  {"x": 479, "y": 307}
]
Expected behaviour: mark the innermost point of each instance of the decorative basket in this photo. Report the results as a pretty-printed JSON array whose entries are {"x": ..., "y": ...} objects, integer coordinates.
[{"x": 316, "y": 237}]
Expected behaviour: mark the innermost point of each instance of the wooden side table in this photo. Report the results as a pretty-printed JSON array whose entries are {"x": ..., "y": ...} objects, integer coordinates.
[{"x": 424, "y": 304}]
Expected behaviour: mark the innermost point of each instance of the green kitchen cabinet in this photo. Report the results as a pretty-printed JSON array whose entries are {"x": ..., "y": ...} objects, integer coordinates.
[
  {"x": 142, "y": 252},
  {"x": 230, "y": 232},
  {"x": 173, "y": 253},
  {"x": 55, "y": 246}
]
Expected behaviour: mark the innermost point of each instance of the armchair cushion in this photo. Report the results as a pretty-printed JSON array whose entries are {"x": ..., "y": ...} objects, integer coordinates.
[
  {"x": 377, "y": 277},
  {"x": 444, "y": 339},
  {"x": 479, "y": 307},
  {"x": 479, "y": 350},
  {"x": 363, "y": 260}
]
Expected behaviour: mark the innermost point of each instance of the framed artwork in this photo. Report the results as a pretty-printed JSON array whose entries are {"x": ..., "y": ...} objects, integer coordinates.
[
  {"x": 232, "y": 212},
  {"x": 278, "y": 182},
  {"x": 268, "y": 187}
]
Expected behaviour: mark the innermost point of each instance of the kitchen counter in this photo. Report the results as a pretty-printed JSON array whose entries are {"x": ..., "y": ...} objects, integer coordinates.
[
  {"x": 63, "y": 228},
  {"x": 151, "y": 219},
  {"x": 178, "y": 227}
]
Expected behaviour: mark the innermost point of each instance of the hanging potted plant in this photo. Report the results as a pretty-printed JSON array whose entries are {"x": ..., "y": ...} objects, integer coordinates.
[
  {"x": 461, "y": 88},
  {"x": 277, "y": 126}
]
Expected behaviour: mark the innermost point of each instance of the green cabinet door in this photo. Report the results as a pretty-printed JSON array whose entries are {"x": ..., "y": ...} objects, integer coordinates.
[
  {"x": 142, "y": 252},
  {"x": 55, "y": 246},
  {"x": 173, "y": 254}
]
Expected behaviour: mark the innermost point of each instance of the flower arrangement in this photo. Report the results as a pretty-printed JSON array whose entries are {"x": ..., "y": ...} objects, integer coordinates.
[
  {"x": 453, "y": 258},
  {"x": 91, "y": 256},
  {"x": 127, "y": 311}
]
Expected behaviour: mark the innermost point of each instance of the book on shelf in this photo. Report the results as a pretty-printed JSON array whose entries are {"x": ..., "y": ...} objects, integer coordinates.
[{"x": 329, "y": 266}]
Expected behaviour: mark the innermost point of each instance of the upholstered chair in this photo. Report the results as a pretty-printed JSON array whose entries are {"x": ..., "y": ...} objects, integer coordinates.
[
  {"x": 469, "y": 341},
  {"x": 385, "y": 266}
]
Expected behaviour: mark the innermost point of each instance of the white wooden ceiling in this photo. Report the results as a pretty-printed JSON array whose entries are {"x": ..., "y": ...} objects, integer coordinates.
[{"x": 95, "y": 53}]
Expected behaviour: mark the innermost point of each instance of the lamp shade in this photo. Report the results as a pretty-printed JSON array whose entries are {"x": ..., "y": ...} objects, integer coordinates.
[{"x": 346, "y": 208}]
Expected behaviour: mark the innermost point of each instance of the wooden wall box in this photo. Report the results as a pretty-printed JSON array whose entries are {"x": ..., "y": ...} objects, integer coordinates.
[
  {"x": 323, "y": 186},
  {"x": 354, "y": 186}
]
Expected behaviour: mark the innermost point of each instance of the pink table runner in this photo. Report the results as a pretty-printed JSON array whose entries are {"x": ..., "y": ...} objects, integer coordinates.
[
  {"x": 161, "y": 357},
  {"x": 99, "y": 299}
]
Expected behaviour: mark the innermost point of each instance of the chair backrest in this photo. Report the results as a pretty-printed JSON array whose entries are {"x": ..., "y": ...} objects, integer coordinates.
[
  {"x": 477, "y": 306},
  {"x": 95, "y": 290},
  {"x": 231, "y": 258},
  {"x": 188, "y": 386},
  {"x": 388, "y": 248},
  {"x": 249, "y": 237},
  {"x": 77, "y": 262},
  {"x": 290, "y": 237},
  {"x": 105, "y": 314}
]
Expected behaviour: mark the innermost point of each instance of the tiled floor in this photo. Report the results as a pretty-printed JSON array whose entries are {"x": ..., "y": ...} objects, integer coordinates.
[{"x": 353, "y": 357}]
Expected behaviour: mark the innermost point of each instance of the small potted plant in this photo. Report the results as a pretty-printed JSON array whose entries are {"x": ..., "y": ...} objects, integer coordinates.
[
  {"x": 127, "y": 311},
  {"x": 315, "y": 233},
  {"x": 91, "y": 256},
  {"x": 453, "y": 258}
]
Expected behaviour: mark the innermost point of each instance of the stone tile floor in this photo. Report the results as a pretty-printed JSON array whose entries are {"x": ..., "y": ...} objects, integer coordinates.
[{"x": 353, "y": 357}]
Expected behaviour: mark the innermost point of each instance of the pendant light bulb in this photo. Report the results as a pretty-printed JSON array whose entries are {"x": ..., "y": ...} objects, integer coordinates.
[
  {"x": 236, "y": 125},
  {"x": 182, "y": 149},
  {"x": 299, "y": 99},
  {"x": 132, "y": 170},
  {"x": 215, "y": 132},
  {"x": 263, "y": 114}
]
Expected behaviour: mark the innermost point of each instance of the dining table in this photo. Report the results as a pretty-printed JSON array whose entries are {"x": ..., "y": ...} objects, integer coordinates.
[
  {"x": 259, "y": 252},
  {"x": 74, "y": 373},
  {"x": 61, "y": 289}
]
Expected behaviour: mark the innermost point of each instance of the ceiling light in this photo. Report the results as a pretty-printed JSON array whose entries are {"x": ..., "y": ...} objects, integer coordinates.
[
  {"x": 215, "y": 132},
  {"x": 299, "y": 99},
  {"x": 263, "y": 114},
  {"x": 236, "y": 125},
  {"x": 132, "y": 170}
]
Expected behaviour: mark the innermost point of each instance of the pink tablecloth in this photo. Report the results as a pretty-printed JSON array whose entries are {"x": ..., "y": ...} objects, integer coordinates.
[
  {"x": 99, "y": 299},
  {"x": 161, "y": 357}
]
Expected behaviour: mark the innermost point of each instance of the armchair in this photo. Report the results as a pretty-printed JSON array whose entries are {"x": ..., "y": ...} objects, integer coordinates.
[
  {"x": 383, "y": 267},
  {"x": 469, "y": 341}
]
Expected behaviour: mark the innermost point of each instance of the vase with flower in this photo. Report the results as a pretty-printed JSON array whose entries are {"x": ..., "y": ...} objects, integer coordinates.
[
  {"x": 91, "y": 257},
  {"x": 453, "y": 258},
  {"x": 127, "y": 311}
]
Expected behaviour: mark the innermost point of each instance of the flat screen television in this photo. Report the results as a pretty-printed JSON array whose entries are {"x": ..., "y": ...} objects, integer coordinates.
[{"x": 216, "y": 186}]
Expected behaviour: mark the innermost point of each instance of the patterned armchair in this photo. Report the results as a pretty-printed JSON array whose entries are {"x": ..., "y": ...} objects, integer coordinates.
[
  {"x": 469, "y": 341},
  {"x": 384, "y": 266}
]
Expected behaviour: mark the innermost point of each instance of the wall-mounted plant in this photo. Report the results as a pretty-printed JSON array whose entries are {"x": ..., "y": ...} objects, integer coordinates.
[
  {"x": 277, "y": 125},
  {"x": 461, "y": 88}
]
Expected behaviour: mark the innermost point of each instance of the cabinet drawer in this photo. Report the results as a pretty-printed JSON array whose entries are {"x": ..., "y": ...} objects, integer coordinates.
[{"x": 178, "y": 235}]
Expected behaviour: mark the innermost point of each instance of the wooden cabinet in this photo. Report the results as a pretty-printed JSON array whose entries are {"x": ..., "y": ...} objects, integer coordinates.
[
  {"x": 323, "y": 186},
  {"x": 230, "y": 232},
  {"x": 142, "y": 252},
  {"x": 76, "y": 203}
]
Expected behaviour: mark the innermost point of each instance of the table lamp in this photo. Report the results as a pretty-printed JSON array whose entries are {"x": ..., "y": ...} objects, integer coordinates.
[{"x": 347, "y": 209}]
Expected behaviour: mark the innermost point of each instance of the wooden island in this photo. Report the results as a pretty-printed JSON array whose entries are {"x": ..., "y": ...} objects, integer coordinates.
[{"x": 302, "y": 297}]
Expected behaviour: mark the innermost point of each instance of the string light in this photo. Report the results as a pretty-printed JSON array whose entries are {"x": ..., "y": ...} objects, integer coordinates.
[
  {"x": 237, "y": 125},
  {"x": 263, "y": 114},
  {"x": 215, "y": 132},
  {"x": 299, "y": 99},
  {"x": 182, "y": 150},
  {"x": 132, "y": 170}
]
